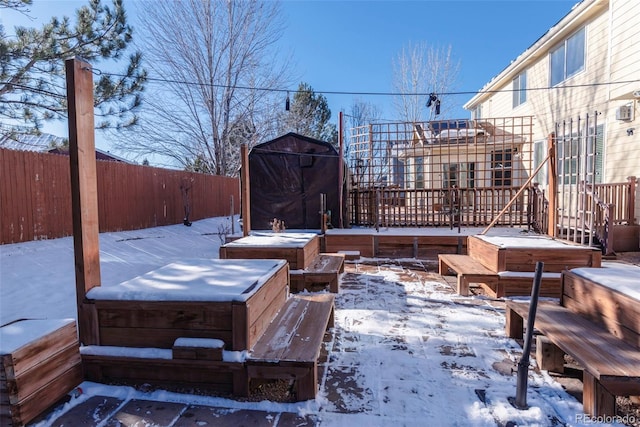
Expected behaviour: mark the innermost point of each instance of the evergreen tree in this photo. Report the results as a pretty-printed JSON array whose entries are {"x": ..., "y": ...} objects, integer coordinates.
[
  {"x": 309, "y": 115},
  {"x": 32, "y": 73}
]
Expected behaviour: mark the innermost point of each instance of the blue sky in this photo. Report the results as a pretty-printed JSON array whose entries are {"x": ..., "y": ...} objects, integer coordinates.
[{"x": 349, "y": 46}]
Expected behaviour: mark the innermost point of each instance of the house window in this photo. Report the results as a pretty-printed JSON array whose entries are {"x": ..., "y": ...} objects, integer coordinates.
[
  {"x": 461, "y": 175},
  {"x": 568, "y": 154},
  {"x": 595, "y": 148},
  {"x": 501, "y": 168},
  {"x": 568, "y": 58},
  {"x": 419, "y": 168},
  {"x": 580, "y": 156},
  {"x": 397, "y": 177},
  {"x": 539, "y": 155},
  {"x": 520, "y": 89}
]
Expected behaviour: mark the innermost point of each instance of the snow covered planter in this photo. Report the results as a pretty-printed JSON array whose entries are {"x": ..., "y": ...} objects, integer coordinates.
[{"x": 39, "y": 364}]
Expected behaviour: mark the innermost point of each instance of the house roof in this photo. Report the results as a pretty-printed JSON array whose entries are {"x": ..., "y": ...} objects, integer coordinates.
[
  {"x": 25, "y": 142},
  {"x": 47, "y": 143},
  {"x": 294, "y": 143},
  {"x": 577, "y": 16}
]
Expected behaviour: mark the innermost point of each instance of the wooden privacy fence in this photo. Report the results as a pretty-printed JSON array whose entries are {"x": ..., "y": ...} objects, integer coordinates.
[{"x": 35, "y": 196}]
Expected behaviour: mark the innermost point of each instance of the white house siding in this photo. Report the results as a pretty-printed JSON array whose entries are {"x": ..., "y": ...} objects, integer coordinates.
[
  {"x": 623, "y": 151},
  {"x": 612, "y": 53}
]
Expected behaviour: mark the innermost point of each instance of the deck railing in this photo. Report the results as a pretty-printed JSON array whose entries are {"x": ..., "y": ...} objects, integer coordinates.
[
  {"x": 599, "y": 219},
  {"x": 596, "y": 210},
  {"x": 467, "y": 207},
  {"x": 538, "y": 209}
]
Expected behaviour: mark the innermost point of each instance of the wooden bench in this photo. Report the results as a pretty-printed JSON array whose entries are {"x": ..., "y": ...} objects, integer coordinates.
[
  {"x": 324, "y": 270},
  {"x": 290, "y": 347},
  {"x": 611, "y": 365},
  {"x": 39, "y": 364},
  {"x": 468, "y": 270}
]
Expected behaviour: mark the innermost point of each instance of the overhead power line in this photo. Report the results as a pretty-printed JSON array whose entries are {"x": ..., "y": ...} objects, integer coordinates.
[{"x": 356, "y": 93}]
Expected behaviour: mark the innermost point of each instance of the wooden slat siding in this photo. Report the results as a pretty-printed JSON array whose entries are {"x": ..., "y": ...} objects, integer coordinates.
[
  {"x": 614, "y": 311},
  {"x": 129, "y": 196},
  {"x": 40, "y": 208},
  {"x": 519, "y": 286},
  {"x": 265, "y": 304},
  {"x": 159, "y": 324},
  {"x": 353, "y": 242},
  {"x": 171, "y": 373},
  {"x": 311, "y": 251},
  {"x": 156, "y": 338},
  {"x": 159, "y": 314},
  {"x": 35, "y": 404},
  {"x": 238, "y": 252},
  {"x": 40, "y": 375},
  {"x": 8, "y": 206},
  {"x": 555, "y": 259},
  {"x": 484, "y": 252},
  {"x": 298, "y": 258},
  {"x": 37, "y": 351},
  {"x": 26, "y": 218},
  {"x": 194, "y": 352}
]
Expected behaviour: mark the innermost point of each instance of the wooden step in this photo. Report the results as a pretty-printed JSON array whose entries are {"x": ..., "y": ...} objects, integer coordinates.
[
  {"x": 324, "y": 270},
  {"x": 290, "y": 347},
  {"x": 468, "y": 270}
]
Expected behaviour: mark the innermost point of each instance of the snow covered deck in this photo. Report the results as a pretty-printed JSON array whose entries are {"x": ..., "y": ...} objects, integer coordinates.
[{"x": 298, "y": 249}]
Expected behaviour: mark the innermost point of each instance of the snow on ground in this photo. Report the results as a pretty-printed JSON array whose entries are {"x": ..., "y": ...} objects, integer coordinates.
[{"x": 405, "y": 351}]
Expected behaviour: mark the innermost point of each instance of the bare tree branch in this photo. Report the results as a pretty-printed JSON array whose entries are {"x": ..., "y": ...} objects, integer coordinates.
[
  {"x": 221, "y": 46},
  {"x": 422, "y": 69}
]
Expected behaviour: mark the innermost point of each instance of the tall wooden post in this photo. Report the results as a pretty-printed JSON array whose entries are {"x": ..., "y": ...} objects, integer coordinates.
[
  {"x": 245, "y": 193},
  {"x": 553, "y": 186},
  {"x": 84, "y": 193},
  {"x": 340, "y": 172}
]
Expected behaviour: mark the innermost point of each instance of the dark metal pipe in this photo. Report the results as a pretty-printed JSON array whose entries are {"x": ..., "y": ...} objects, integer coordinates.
[{"x": 523, "y": 365}]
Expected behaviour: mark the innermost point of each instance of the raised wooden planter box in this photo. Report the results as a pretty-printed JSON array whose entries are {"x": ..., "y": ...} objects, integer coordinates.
[
  {"x": 521, "y": 253},
  {"x": 298, "y": 249},
  {"x": 230, "y": 300},
  {"x": 399, "y": 243},
  {"x": 39, "y": 364},
  {"x": 607, "y": 296}
]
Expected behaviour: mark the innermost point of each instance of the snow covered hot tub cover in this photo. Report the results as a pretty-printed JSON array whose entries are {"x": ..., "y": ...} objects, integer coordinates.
[{"x": 214, "y": 280}]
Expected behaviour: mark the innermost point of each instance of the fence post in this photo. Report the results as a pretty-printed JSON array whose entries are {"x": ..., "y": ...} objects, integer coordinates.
[
  {"x": 245, "y": 192},
  {"x": 631, "y": 200}
]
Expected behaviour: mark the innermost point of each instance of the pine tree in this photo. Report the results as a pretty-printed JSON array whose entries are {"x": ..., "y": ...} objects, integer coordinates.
[
  {"x": 32, "y": 75},
  {"x": 309, "y": 115}
]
